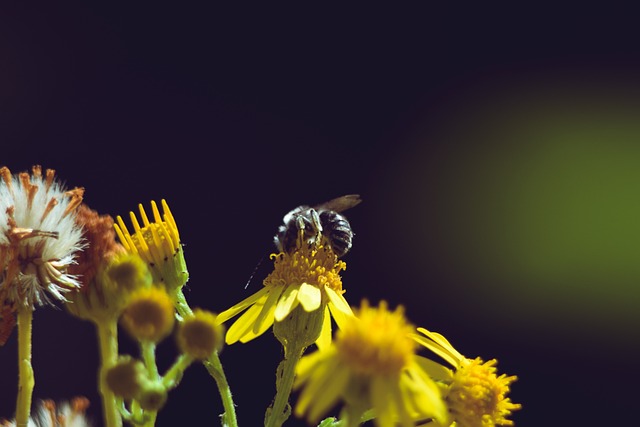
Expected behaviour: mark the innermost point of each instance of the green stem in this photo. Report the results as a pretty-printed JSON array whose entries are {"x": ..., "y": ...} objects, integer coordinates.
[
  {"x": 148, "y": 350},
  {"x": 182, "y": 306},
  {"x": 173, "y": 376},
  {"x": 26, "y": 379},
  {"x": 108, "y": 341},
  {"x": 214, "y": 367},
  {"x": 152, "y": 415},
  {"x": 278, "y": 413}
]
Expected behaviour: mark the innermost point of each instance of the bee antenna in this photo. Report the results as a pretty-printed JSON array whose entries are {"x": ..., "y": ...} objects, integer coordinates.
[{"x": 255, "y": 269}]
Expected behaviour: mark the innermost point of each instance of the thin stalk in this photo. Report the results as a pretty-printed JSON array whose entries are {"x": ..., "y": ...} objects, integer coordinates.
[
  {"x": 108, "y": 341},
  {"x": 173, "y": 376},
  {"x": 26, "y": 379},
  {"x": 214, "y": 367},
  {"x": 148, "y": 350},
  {"x": 277, "y": 413}
]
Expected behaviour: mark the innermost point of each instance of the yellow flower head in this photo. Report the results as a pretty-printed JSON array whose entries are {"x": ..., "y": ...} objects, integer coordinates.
[
  {"x": 370, "y": 366},
  {"x": 200, "y": 335},
  {"x": 158, "y": 243},
  {"x": 476, "y": 396},
  {"x": 309, "y": 277},
  {"x": 149, "y": 314}
]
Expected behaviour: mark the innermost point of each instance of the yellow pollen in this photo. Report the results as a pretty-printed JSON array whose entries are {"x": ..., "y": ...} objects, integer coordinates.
[
  {"x": 377, "y": 341},
  {"x": 317, "y": 266},
  {"x": 477, "y": 397}
]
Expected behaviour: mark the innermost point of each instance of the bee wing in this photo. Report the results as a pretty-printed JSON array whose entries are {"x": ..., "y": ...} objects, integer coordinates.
[{"x": 340, "y": 204}]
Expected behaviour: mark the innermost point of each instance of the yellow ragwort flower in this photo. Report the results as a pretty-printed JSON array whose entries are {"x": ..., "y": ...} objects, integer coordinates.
[
  {"x": 149, "y": 314},
  {"x": 370, "y": 366},
  {"x": 158, "y": 243},
  {"x": 308, "y": 277},
  {"x": 475, "y": 395}
]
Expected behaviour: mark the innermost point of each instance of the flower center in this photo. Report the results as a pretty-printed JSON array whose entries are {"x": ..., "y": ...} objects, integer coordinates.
[
  {"x": 315, "y": 265},
  {"x": 477, "y": 395},
  {"x": 377, "y": 342}
]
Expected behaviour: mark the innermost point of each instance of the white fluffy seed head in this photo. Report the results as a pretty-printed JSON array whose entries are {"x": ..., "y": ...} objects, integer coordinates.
[{"x": 38, "y": 236}]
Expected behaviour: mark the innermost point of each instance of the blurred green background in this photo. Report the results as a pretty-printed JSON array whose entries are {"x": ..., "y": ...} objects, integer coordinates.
[{"x": 530, "y": 190}]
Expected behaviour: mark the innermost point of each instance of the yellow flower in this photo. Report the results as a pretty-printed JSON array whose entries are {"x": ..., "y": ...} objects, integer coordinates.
[
  {"x": 370, "y": 366},
  {"x": 149, "y": 314},
  {"x": 476, "y": 396},
  {"x": 158, "y": 243},
  {"x": 200, "y": 335},
  {"x": 308, "y": 277}
]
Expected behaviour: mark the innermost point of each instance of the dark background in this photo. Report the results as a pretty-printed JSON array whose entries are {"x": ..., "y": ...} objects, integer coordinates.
[{"x": 436, "y": 116}]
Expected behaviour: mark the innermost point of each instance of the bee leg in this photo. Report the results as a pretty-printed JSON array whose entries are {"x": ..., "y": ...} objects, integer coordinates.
[
  {"x": 301, "y": 227},
  {"x": 315, "y": 220}
]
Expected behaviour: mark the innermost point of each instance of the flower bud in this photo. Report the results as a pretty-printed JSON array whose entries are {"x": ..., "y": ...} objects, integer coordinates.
[
  {"x": 152, "y": 396},
  {"x": 199, "y": 335},
  {"x": 149, "y": 314},
  {"x": 124, "y": 378}
]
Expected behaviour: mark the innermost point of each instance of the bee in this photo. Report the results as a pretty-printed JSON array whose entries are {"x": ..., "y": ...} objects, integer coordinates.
[{"x": 318, "y": 224}]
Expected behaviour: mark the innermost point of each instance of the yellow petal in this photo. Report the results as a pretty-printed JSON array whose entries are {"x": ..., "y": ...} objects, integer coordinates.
[
  {"x": 324, "y": 340},
  {"x": 428, "y": 399},
  {"x": 341, "y": 311},
  {"x": 320, "y": 379},
  {"x": 446, "y": 345},
  {"x": 334, "y": 386},
  {"x": 266, "y": 324},
  {"x": 288, "y": 301},
  {"x": 228, "y": 314},
  {"x": 244, "y": 324},
  {"x": 381, "y": 399},
  {"x": 305, "y": 366},
  {"x": 268, "y": 309},
  {"x": 434, "y": 369},
  {"x": 401, "y": 405},
  {"x": 437, "y": 349},
  {"x": 310, "y": 297}
]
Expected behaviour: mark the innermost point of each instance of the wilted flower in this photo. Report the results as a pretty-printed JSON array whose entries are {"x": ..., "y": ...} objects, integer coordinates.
[{"x": 38, "y": 237}]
